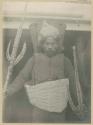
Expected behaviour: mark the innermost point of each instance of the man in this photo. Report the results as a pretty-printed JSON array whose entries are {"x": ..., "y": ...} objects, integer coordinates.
[{"x": 51, "y": 74}]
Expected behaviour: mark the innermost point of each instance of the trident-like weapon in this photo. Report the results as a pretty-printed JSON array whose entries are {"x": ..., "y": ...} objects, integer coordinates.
[
  {"x": 78, "y": 87},
  {"x": 13, "y": 58}
]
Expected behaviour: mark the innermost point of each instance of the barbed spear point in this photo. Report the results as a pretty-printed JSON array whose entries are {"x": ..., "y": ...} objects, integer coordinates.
[
  {"x": 7, "y": 52},
  {"x": 20, "y": 56}
]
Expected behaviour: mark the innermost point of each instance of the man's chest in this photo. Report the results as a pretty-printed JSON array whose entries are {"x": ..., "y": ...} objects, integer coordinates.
[{"x": 48, "y": 68}]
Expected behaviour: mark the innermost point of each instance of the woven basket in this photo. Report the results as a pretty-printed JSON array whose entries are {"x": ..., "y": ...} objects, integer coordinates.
[{"x": 51, "y": 96}]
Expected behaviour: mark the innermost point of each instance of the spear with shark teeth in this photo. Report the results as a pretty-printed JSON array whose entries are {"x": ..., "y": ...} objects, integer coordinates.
[
  {"x": 13, "y": 58},
  {"x": 80, "y": 105}
]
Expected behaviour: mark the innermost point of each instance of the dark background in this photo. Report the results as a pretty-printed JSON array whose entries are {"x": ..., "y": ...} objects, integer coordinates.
[{"x": 16, "y": 107}]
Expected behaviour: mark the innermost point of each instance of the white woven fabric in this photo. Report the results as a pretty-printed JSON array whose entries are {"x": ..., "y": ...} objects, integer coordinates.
[{"x": 51, "y": 96}]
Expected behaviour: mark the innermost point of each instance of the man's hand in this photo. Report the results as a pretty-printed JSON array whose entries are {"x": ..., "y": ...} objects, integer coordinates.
[{"x": 81, "y": 111}]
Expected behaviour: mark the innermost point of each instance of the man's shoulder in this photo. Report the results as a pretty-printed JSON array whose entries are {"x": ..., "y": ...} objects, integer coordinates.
[
  {"x": 36, "y": 56},
  {"x": 39, "y": 56},
  {"x": 62, "y": 56}
]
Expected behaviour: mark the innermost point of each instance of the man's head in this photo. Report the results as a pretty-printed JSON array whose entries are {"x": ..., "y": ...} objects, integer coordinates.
[
  {"x": 50, "y": 45},
  {"x": 49, "y": 39}
]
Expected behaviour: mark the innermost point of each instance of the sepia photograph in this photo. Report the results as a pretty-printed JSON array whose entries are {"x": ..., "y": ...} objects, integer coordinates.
[{"x": 46, "y": 62}]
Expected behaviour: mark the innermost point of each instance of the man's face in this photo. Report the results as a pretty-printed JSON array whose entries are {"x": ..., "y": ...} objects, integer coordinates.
[{"x": 50, "y": 46}]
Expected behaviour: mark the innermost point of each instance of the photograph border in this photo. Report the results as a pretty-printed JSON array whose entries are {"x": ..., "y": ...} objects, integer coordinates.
[{"x": 1, "y": 63}]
